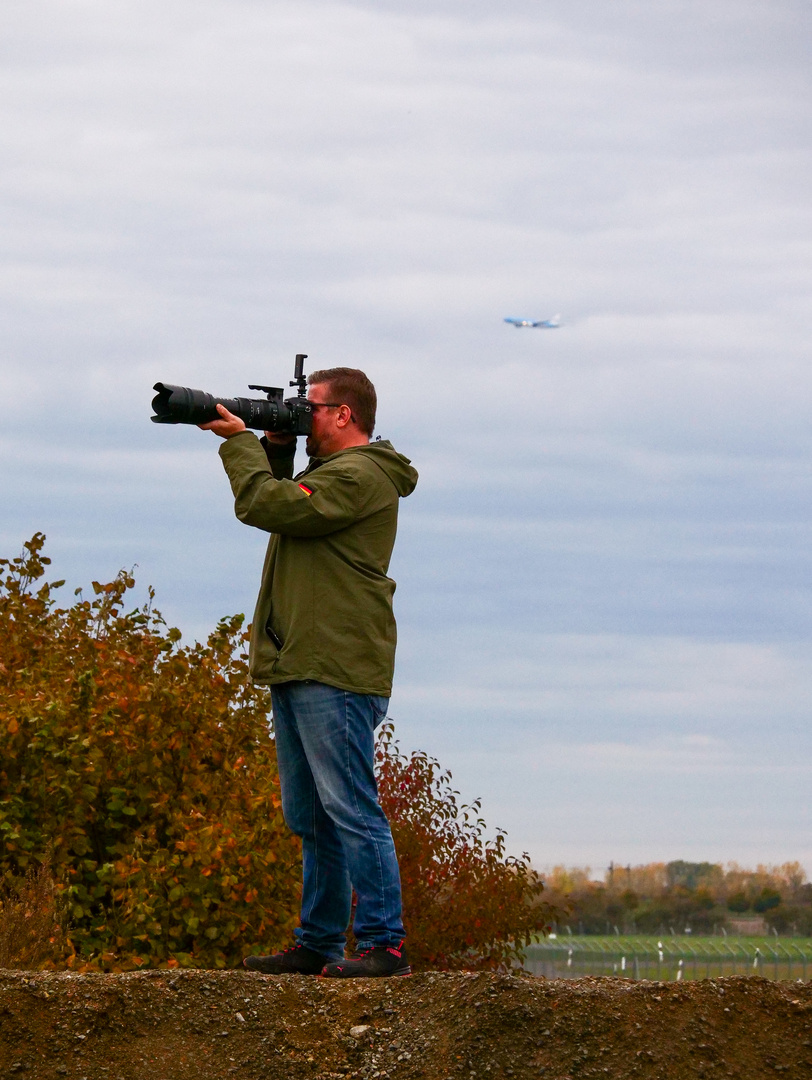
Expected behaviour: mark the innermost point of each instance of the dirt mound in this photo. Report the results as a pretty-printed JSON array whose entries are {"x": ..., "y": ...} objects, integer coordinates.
[{"x": 164, "y": 1025}]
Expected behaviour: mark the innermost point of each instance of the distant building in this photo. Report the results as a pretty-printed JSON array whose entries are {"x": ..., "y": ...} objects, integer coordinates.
[{"x": 747, "y": 925}]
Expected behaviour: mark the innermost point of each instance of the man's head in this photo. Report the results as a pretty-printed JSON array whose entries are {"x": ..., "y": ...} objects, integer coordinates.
[{"x": 344, "y": 404}]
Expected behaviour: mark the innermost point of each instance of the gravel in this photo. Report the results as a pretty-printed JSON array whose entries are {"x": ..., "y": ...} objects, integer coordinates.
[{"x": 171, "y": 1025}]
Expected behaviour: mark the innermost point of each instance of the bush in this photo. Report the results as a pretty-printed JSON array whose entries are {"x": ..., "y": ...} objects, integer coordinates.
[
  {"x": 738, "y": 903},
  {"x": 766, "y": 900},
  {"x": 148, "y": 769},
  {"x": 32, "y": 921},
  {"x": 790, "y": 919},
  {"x": 466, "y": 903}
]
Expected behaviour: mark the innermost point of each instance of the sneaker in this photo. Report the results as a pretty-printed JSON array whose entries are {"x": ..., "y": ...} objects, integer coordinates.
[
  {"x": 297, "y": 960},
  {"x": 374, "y": 963}
]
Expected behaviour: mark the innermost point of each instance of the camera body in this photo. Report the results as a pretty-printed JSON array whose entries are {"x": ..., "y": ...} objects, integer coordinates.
[{"x": 289, "y": 416}]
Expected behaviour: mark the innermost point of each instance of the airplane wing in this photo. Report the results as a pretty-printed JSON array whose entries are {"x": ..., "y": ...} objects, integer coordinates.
[{"x": 546, "y": 324}]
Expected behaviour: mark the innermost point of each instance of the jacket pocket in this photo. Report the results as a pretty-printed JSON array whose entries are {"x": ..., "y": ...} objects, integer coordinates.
[{"x": 272, "y": 634}]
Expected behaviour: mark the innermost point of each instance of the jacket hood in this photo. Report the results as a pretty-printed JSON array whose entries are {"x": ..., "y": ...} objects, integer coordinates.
[{"x": 396, "y": 467}]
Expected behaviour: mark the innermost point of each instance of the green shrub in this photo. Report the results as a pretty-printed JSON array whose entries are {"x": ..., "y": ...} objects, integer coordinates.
[
  {"x": 738, "y": 903},
  {"x": 149, "y": 770}
]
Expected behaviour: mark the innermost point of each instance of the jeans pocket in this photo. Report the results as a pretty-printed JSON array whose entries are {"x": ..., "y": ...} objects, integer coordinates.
[{"x": 380, "y": 707}]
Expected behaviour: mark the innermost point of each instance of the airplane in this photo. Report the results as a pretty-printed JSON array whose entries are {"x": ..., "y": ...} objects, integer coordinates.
[{"x": 546, "y": 324}]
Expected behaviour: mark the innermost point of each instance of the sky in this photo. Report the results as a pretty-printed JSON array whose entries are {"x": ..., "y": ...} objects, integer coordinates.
[{"x": 604, "y": 599}]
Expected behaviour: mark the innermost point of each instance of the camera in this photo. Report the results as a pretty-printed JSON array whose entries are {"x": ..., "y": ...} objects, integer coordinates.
[{"x": 291, "y": 416}]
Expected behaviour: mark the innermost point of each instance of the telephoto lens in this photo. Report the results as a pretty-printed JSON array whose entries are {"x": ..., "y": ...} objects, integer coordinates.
[{"x": 183, "y": 405}]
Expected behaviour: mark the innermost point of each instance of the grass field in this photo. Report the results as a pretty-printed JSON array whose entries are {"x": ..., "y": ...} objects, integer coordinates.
[{"x": 668, "y": 958}]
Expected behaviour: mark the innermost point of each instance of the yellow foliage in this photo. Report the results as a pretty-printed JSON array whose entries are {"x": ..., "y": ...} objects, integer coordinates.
[{"x": 119, "y": 749}]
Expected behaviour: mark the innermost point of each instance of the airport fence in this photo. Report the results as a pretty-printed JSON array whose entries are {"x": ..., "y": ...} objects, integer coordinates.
[{"x": 669, "y": 959}]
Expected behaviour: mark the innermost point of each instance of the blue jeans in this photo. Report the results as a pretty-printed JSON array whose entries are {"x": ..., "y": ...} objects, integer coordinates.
[{"x": 325, "y": 748}]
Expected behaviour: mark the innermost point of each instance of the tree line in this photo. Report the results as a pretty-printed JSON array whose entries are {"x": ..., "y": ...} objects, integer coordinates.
[{"x": 698, "y": 897}]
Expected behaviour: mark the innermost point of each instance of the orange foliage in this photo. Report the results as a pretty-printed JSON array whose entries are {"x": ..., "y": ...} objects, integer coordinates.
[
  {"x": 466, "y": 903},
  {"x": 150, "y": 771},
  {"x": 658, "y": 896}
]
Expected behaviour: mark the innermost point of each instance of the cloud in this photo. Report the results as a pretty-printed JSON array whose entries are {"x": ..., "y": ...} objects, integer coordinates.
[
  {"x": 582, "y": 745},
  {"x": 612, "y": 520},
  {"x": 603, "y": 683}
]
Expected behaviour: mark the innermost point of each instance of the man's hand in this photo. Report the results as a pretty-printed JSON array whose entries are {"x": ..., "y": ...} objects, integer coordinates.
[
  {"x": 225, "y": 428},
  {"x": 279, "y": 439}
]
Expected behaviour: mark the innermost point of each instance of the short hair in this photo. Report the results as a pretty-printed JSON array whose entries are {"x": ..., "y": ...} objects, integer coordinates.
[{"x": 349, "y": 386}]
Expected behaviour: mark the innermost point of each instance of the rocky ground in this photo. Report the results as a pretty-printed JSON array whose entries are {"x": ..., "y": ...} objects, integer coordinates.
[{"x": 164, "y": 1025}]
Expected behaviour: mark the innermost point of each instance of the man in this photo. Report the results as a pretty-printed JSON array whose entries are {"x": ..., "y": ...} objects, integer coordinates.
[{"x": 323, "y": 638}]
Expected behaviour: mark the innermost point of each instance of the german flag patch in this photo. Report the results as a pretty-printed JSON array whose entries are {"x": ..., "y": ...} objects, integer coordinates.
[{"x": 306, "y": 489}]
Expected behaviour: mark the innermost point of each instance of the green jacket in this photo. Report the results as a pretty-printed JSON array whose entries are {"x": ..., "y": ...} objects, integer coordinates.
[{"x": 325, "y": 596}]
